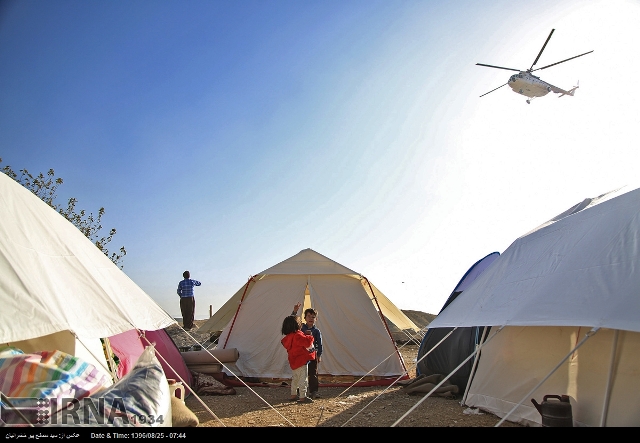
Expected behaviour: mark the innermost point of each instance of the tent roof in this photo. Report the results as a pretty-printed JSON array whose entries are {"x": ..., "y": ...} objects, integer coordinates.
[
  {"x": 578, "y": 269},
  {"x": 469, "y": 277},
  {"x": 52, "y": 278},
  {"x": 308, "y": 262},
  {"x": 474, "y": 271}
]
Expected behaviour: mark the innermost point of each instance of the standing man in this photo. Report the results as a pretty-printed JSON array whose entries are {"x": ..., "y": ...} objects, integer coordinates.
[
  {"x": 309, "y": 328},
  {"x": 187, "y": 300}
]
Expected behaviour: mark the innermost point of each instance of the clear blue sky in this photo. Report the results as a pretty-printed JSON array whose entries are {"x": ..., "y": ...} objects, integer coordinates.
[{"x": 226, "y": 136}]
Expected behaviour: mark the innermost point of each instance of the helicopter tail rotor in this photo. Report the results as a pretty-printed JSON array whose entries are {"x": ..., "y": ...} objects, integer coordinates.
[{"x": 572, "y": 90}]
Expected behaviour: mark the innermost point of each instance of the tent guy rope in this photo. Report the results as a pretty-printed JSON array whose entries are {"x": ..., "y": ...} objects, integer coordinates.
[
  {"x": 445, "y": 379},
  {"x": 385, "y": 390},
  {"x": 184, "y": 382},
  {"x": 589, "y": 334},
  {"x": 238, "y": 378}
]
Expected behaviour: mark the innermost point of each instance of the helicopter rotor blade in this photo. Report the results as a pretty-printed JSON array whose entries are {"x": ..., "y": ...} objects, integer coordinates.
[
  {"x": 494, "y": 89},
  {"x": 557, "y": 63},
  {"x": 543, "y": 46},
  {"x": 498, "y": 67}
]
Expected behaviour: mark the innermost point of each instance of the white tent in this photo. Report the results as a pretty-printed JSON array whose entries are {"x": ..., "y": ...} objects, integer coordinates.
[
  {"x": 355, "y": 337},
  {"x": 578, "y": 273},
  {"x": 57, "y": 290}
]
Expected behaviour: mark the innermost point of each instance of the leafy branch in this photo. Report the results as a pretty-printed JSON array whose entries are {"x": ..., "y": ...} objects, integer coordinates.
[{"x": 46, "y": 186}]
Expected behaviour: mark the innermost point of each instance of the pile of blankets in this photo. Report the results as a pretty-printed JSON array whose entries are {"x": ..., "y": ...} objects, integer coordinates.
[{"x": 52, "y": 388}]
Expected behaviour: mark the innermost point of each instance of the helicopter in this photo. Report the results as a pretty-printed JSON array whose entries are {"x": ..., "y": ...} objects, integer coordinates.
[{"x": 529, "y": 85}]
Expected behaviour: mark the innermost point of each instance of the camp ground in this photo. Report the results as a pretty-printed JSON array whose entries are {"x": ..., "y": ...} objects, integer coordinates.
[
  {"x": 65, "y": 302},
  {"x": 554, "y": 314}
]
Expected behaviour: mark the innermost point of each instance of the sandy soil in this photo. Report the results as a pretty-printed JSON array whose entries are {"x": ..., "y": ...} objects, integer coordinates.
[{"x": 268, "y": 406}]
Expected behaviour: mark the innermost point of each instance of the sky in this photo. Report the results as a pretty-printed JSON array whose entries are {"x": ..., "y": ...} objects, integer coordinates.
[{"x": 225, "y": 137}]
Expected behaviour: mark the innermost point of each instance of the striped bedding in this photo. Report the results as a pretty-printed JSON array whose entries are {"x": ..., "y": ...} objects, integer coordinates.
[
  {"x": 141, "y": 398},
  {"x": 48, "y": 374}
]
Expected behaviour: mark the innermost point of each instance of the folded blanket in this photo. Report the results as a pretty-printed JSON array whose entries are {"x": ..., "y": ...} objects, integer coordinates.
[
  {"x": 57, "y": 389},
  {"x": 48, "y": 374},
  {"x": 140, "y": 398}
]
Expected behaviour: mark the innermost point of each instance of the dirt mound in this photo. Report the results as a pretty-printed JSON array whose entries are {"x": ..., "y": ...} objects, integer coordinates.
[{"x": 421, "y": 320}]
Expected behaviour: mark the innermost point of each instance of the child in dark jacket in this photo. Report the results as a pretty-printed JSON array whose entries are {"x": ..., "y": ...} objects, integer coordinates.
[
  {"x": 309, "y": 327},
  {"x": 300, "y": 350}
]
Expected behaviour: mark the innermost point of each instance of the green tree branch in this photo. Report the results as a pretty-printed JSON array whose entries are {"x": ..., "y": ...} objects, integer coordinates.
[{"x": 45, "y": 187}]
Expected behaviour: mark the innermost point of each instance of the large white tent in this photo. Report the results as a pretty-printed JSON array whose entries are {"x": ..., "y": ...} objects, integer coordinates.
[
  {"x": 573, "y": 282},
  {"x": 356, "y": 338},
  {"x": 57, "y": 289}
]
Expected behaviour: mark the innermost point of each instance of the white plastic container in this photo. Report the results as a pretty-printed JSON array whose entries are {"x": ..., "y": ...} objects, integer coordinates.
[{"x": 176, "y": 389}]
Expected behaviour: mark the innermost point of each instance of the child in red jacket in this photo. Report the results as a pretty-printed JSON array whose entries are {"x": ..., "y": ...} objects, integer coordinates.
[{"x": 300, "y": 350}]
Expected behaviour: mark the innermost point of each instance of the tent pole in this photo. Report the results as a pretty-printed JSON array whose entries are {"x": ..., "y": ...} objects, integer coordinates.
[
  {"x": 607, "y": 393},
  {"x": 112, "y": 363},
  {"x": 586, "y": 337},
  {"x": 446, "y": 378},
  {"x": 237, "y": 310},
  {"x": 101, "y": 361},
  {"x": 384, "y": 321},
  {"x": 473, "y": 369}
]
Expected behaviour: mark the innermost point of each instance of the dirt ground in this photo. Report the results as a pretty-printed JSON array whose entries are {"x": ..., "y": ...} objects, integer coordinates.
[{"x": 268, "y": 406}]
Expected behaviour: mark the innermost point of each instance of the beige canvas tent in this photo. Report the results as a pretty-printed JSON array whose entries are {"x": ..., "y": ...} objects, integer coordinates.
[
  {"x": 57, "y": 290},
  {"x": 567, "y": 296},
  {"x": 356, "y": 337}
]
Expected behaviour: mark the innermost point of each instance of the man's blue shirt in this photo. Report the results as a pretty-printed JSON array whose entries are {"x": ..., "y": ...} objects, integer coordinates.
[{"x": 185, "y": 287}]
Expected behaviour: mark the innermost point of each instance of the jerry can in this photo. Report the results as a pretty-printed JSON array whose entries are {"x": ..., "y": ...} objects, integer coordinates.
[{"x": 176, "y": 389}]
